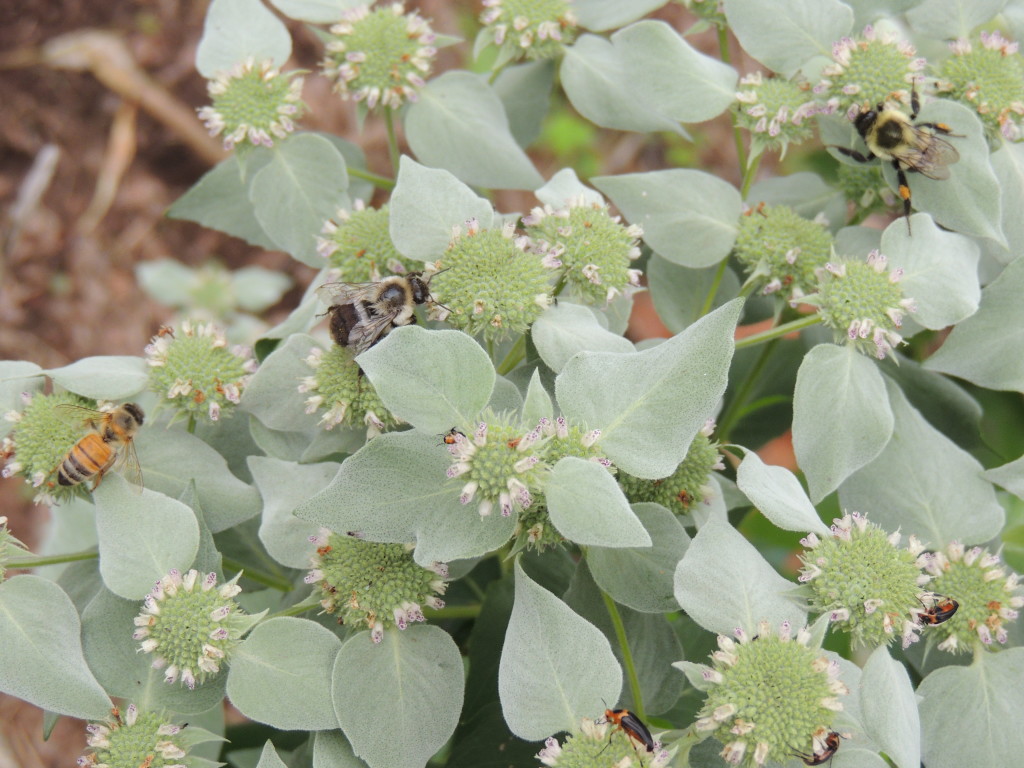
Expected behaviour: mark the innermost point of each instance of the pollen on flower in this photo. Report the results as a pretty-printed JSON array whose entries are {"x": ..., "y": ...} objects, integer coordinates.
[
  {"x": 374, "y": 584},
  {"x": 343, "y": 393},
  {"x": 528, "y": 29},
  {"x": 190, "y": 625},
  {"x": 380, "y": 56},
  {"x": 253, "y": 102},
  {"x": 136, "y": 738},
  {"x": 358, "y": 244}
]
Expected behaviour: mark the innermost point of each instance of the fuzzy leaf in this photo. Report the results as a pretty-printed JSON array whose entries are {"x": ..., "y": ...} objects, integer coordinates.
[
  {"x": 950, "y": 19},
  {"x": 16, "y": 377},
  {"x": 270, "y": 683},
  {"x": 426, "y": 204},
  {"x": 103, "y": 378},
  {"x": 650, "y": 404},
  {"x": 141, "y": 537},
  {"x": 42, "y": 660},
  {"x": 976, "y": 349},
  {"x": 776, "y": 492},
  {"x": 314, "y": 11},
  {"x": 785, "y": 34},
  {"x": 587, "y": 506},
  {"x": 272, "y": 395},
  {"x": 723, "y": 582},
  {"x": 910, "y": 484},
  {"x": 566, "y": 329},
  {"x": 525, "y": 93},
  {"x": 398, "y": 702},
  {"x": 839, "y": 387},
  {"x": 889, "y": 709},
  {"x": 331, "y": 750},
  {"x": 679, "y": 292},
  {"x": 537, "y": 404},
  {"x": 689, "y": 217},
  {"x": 459, "y": 124},
  {"x": 806, "y": 193},
  {"x": 269, "y": 757},
  {"x": 970, "y": 715},
  {"x": 641, "y": 577},
  {"x": 1008, "y": 165},
  {"x": 301, "y": 187},
  {"x": 555, "y": 666},
  {"x": 411, "y": 369},
  {"x": 1009, "y": 476},
  {"x": 601, "y": 15},
  {"x": 236, "y": 30},
  {"x": 564, "y": 187}
]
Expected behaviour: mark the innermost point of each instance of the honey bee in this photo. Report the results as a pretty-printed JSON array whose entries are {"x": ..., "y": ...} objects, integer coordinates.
[
  {"x": 364, "y": 313},
  {"x": 109, "y": 441}
]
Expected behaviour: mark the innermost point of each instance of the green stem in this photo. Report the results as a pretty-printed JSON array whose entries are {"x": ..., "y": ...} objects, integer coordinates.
[
  {"x": 36, "y": 562},
  {"x": 266, "y": 579},
  {"x": 737, "y": 134},
  {"x": 717, "y": 281},
  {"x": 731, "y": 413},
  {"x": 389, "y": 121},
  {"x": 191, "y": 424},
  {"x": 779, "y": 331},
  {"x": 452, "y": 612},
  {"x": 514, "y": 357},
  {"x": 381, "y": 182},
  {"x": 497, "y": 71},
  {"x": 308, "y": 604},
  {"x": 627, "y": 655},
  {"x": 748, "y": 176}
]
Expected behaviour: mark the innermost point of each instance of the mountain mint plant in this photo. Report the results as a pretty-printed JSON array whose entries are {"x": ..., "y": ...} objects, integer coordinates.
[{"x": 505, "y": 433}]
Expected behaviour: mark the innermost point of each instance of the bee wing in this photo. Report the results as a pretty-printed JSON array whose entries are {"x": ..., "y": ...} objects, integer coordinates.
[
  {"x": 931, "y": 156},
  {"x": 364, "y": 335},
  {"x": 80, "y": 415},
  {"x": 345, "y": 293},
  {"x": 128, "y": 464}
]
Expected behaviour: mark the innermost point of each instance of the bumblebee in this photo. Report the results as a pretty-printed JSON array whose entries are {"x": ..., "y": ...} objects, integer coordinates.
[
  {"x": 823, "y": 755},
  {"x": 364, "y": 313},
  {"x": 892, "y": 135},
  {"x": 109, "y": 441}
]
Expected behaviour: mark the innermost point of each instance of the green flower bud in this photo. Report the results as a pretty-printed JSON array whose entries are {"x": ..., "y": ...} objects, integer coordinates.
[
  {"x": 865, "y": 186},
  {"x": 359, "y": 245},
  {"x": 593, "y": 747},
  {"x": 775, "y": 111},
  {"x": 371, "y": 583},
  {"x": 140, "y": 739},
  {"x": 528, "y": 29},
  {"x": 344, "y": 394},
  {"x": 712, "y": 11},
  {"x": 868, "y": 585}
]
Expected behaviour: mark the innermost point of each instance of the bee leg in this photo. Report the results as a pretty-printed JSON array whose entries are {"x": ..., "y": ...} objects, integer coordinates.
[
  {"x": 940, "y": 128},
  {"x": 854, "y": 154},
  {"x": 99, "y": 479},
  {"x": 915, "y": 102},
  {"x": 904, "y": 190}
]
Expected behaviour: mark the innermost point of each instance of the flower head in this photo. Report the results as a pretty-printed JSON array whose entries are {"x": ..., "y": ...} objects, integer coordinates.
[
  {"x": 988, "y": 78},
  {"x": 588, "y": 247},
  {"x": 600, "y": 744},
  {"x": 877, "y": 67},
  {"x": 339, "y": 389},
  {"x": 371, "y": 583},
  {"x": 528, "y": 29},
  {"x": 779, "y": 246},
  {"x": 712, "y": 11},
  {"x": 871, "y": 587},
  {"x": 492, "y": 283},
  {"x": 775, "y": 111},
  {"x": 253, "y": 102},
  {"x": 191, "y": 625},
  {"x": 358, "y": 243},
  {"x": 863, "y": 301},
  {"x": 987, "y": 595},
  {"x": 195, "y": 371},
  {"x": 9, "y": 546},
  {"x": 770, "y": 695},
  {"x": 685, "y": 487},
  {"x": 380, "y": 56},
  {"x": 865, "y": 186},
  {"x": 138, "y": 738}
]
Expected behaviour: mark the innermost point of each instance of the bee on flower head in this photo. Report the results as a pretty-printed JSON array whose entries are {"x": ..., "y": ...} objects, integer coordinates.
[{"x": 109, "y": 441}]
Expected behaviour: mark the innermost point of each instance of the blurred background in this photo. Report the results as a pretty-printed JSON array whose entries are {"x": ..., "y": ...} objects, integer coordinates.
[{"x": 98, "y": 137}]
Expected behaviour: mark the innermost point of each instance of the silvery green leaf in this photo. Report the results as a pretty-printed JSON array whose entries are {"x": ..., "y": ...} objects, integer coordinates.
[
  {"x": 951, "y": 19},
  {"x": 301, "y": 187},
  {"x": 842, "y": 388},
  {"x": 537, "y": 404},
  {"x": 394, "y": 489},
  {"x": 689, "y": 217},
  {"x": 1008, "y": 165},
  {"x": 641, "y": 577},
  {"x": 272, "y": 394},
  {"x": 235, "y": 30},
  {"x": 785, "y": 34},
  {"x": 723, "y": 582},
  {"x": 355, "y": 159},
  {"x": 587, "y": 506},
  {"x": 806, "y": 193},
  {"x": 220, "y": 200},
  {"x": 867, "y": 11},
  {"x": 332, "y": 750},
  {"x": 42, "y": 659},
  {"x": 601, "y": 15},
  {"x": 1009, "y": 476},
  {"x": 593, "y": 75},
  {"x": 525, "y": 93},
  {"x": 172, "y": 458},
  {"x": 910, "y": 484},
  {"x": 857, "y": 242},
  {"x": 270, "y": 683},
  {"x": 399, "y": 701},
  {"x": 566, "y": 329},
  {"x": 299, "y": 320},
  {"x": 555, "y": 666},
  {"x": 458, "y": 123},
  {"x": 72, "y": 528},
  {"x": 269, "y": 757},
  {"x": 565, "y": 186},
  {"x": 679, "y": 293},
  {"x": 434, "y": 380},
  {"x": 108, "y": 377},
  {"x": 776, "y": 492},
  {"x": 141, "y": 537},
  {"x": 426, "y": 204},
  {"x": 970, "y": 715},
  {"x": 940, "y": 270},
  {"x": 976, "y": 350},
  {"x": 650, "y": 404},
  {"x": 283, "y": 486},
  {"x": 505, "y": 397},
  {"x": 315, "y": 11},
  {"x": 889, "y": 709},
  {"x": 665, "y": 70},
  {"x": 16, "y": 377}
]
